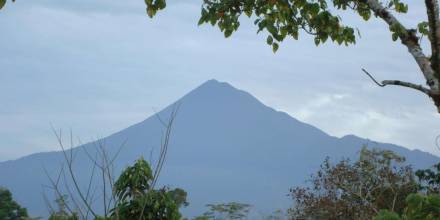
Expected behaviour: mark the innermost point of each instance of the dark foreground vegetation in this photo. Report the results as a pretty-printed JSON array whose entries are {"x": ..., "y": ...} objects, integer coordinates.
[{"x": 377, "y": 186}]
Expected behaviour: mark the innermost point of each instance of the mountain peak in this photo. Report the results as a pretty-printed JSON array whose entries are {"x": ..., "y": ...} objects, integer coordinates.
[
  {"x": 216, "y": 96},
  {"x": 212, "y": 81},
  {"x": 214, "y": 84}
]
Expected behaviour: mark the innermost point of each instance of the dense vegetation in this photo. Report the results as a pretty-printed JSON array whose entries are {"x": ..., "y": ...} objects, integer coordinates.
[
  {"x": 379, "y": 186},
  {"x": 9, "y": 209}
]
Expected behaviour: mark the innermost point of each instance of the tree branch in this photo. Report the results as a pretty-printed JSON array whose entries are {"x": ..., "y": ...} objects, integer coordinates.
[
  {"x": 432, "y": 9},
  {"x": 410, "y": 40},
  {"x": 399, "y": 83}
]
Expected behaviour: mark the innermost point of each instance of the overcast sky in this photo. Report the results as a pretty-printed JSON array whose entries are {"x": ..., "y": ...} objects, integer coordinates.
[{"x": 99, "y": 66}]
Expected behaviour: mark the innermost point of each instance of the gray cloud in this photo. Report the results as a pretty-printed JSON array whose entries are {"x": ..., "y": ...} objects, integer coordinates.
[{"x": 100, "y": 66}]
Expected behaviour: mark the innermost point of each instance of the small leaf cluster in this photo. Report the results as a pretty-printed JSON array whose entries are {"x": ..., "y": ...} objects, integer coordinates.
[
  {"x": 153, "y": 6},
  {"x": 62, "y": 213},
  {"x": 430, "y": 179},
  {"x": 156, "y": 204},
  {"x": 397, "y": 30},
  {"x": 423, "y": 28},
  {"x": 398, "y": 6},
  {"x": 134, "y": 181},
  {"x": 3, "y": 3},
  {"x": 231, "y": 210}
]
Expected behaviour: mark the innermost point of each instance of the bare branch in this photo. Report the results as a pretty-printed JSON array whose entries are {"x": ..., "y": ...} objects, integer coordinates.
[
  {"x": 69, "y": 161},
  {"x": 72, "y": 197},
  {"x": 372, "y": 78},
  {"x": 408, "y": 85},
  {"x": 399, "y": 83},
  {"x": 164, "y": 144},
  {"x": 48, "y": 203},
  {"x": 163, "y": 150}
]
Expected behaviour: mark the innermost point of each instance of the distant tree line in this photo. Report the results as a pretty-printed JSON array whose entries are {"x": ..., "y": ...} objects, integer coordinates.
[{"x": 377, "y": 186}]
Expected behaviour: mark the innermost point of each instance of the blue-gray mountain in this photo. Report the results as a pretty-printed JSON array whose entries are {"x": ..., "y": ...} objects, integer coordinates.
[{"x": 226, "y": 146}]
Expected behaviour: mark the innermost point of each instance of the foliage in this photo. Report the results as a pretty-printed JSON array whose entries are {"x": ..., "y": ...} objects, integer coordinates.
[
  {"x": 420, "y": 207},
  {"x": 227, "y": 211},
  {"x": 63, "y": 217},
  {"x": 377, "y": 180},
  {"x": 179, "y": 195},
  {"x": 202, "y": 217},
  {"x": 321, "y": 19},
  {"x": 134, "y": 180},
  {"x": 61, "y": 213},
  {"x": 430, "y": 179},
  {"x": 137, "y": 199},
  {"x": 286, "y": 18},
  {"x": 283, "y": 19},
  {"x": 423, "y": 207},
  {"x": 386, "y": 215},
  {"x": 10, "y": 209},
  {"x": 276, "y": 215}
]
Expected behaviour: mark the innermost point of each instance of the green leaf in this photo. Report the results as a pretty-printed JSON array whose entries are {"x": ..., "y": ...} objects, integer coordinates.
[
  {"x": 317, "y": 41},
  {"x": 295, "y": 34},
  {"x": 248, "y": 13},
  {"x": 150, "y": 12},
  {"x": 395, "y": 36},
  {"x": 228, "y": 33},
  {"x": 314, "y": 9},
  {"x": 269, "y": 40},
  {"x": 324, "y": 38},
  {"x": 423, "y": 28},
  {"x": 201, "y": 21},
  {"x": 275, "y": 47},
  {"x": 2, "y": 3},
  {"x": 161, "y": 4}
]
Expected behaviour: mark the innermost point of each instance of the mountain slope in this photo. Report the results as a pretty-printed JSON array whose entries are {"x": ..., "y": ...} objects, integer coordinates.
[{"x": 226, "y": 146}]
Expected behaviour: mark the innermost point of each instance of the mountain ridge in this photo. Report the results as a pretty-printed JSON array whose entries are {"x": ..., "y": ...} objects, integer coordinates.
[{"x": 223, "y": 139}]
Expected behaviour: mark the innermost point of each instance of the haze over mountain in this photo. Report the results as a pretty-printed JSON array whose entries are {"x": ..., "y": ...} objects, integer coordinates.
[{"x": 225, "y": 146}]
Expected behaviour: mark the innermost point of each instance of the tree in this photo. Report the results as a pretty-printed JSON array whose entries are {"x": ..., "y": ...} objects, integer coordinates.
[
  {"x": 137, "y": 199},
  {"x": 377, "y": 180},
  {"x": 430, "y": 179},
  {"x": 10, "y": 209},
  {"x": 225, "y": 211},
  {"x": 276, "y": 215},
  {"x": 62, "y": 212},
  {"x": 179, "y": 197},
  {"x": 133, "y": 195},
  {"x": 423, "y": 207}
]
